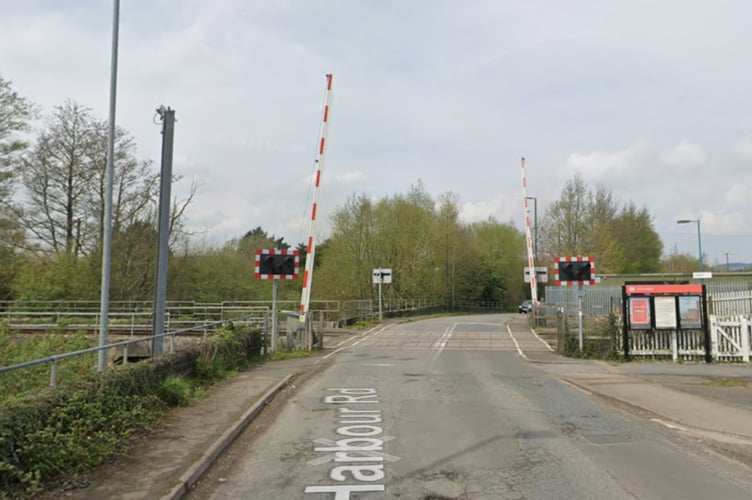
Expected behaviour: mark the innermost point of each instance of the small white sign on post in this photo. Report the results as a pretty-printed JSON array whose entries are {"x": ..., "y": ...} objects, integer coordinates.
[
  {"x": 382, "y": 276},
  {"x": 702, "y": 275},
  {"x": 541, "y": 274}
]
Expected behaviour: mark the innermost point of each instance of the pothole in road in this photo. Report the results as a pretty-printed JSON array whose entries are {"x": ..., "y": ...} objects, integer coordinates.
[{"x": 443, "y": 485}]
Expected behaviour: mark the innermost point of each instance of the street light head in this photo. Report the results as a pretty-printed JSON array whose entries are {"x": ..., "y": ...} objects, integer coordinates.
[{"x": 685, "y": 221}]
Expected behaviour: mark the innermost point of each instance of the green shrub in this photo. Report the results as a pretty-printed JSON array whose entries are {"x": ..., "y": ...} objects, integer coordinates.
[
  {"x": 46, "y": 435},
  {"x": 176, "y": 391},
  {"x": 75, "y": 428},
  {"x": 601, "y": 342}
]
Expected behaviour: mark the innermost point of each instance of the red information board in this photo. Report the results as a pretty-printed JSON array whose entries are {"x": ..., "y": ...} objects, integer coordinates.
[{"x": 639, "y": 312}]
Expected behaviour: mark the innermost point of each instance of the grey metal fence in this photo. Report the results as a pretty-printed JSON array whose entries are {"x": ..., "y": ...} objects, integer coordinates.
[{"x": 603, "y": 299}]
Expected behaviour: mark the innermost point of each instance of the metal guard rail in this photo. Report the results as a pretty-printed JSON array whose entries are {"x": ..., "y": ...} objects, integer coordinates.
[{"x": 53, "y": 360}]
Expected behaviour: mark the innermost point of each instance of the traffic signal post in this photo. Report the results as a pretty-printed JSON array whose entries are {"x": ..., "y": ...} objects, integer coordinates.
[
  {"x": 570, "y": 271},
  {"x": 275, "y": 264}
]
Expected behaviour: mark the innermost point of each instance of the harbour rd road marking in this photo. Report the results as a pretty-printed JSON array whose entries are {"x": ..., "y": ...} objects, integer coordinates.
[
  {"x": 375, "y": 454},
  {"x": 358, "y": 454}
]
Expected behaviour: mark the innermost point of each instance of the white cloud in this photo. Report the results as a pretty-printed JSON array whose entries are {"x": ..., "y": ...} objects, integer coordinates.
[
  {"x": 455, "y": 100},
  {"x": 737, "y": 196},
  {"x": 499, "y": 207},
  {"x": 610, "y": 166},
  {"x": 742, "y": 150},
  {"x": 685, "y": 154}
]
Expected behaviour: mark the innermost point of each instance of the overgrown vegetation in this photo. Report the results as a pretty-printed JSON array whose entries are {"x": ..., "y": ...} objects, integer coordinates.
[
  {"x": 31, "y": 380},
  {"x": 46, "y": 435},
  {"x": 600, "y": 339}
]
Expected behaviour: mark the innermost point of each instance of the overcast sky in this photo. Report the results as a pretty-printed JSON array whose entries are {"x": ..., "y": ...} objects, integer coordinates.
[{"x": 650, "y": 99}]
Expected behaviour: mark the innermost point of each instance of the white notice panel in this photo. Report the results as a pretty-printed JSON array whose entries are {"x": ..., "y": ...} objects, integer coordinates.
[{"x": 665, "y": 312}]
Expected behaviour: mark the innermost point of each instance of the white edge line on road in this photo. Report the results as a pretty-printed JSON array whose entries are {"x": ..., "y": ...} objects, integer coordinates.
[
  {"x": 517, "y": 345},
  {"x": 370, "y": 332},
  {"x": 546, "y": 343},
  {"x": 330, "y": 354},
  {"x": 669, "y": 425},
  {"x": 575, "y": 386}
]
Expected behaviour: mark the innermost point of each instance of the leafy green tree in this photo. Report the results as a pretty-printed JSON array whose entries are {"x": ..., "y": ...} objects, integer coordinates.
[
  {"x": 258, "y": 238},
  {"x": 583, "y": 222},
  {"x": 404, "y": 242},
  {"x": 431, "y": 254},
  {"x": 206, "y": 273},
  {"x": 448, "y": 236},
  {"x": 57, "y": 277},
  {"x": 678, "y": 262},
  {"x": 564, "y": 229},
  {"x": 15, "y": 112},
  {"x": 500, "y": 252},
  {"x": 635, "y": 236},
  {"x": 343, "y": 268}
]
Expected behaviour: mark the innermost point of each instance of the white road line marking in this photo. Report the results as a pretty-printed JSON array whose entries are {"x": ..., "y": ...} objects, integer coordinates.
[
  {"x": 364, "y": 335},
  {"x": 516, "y": 344},
  {"x": 544, "y": 342},
  {"x": 669, "y": 425},
  {"x": 331, "y": 354},
  {"x": 440, "y": 344}
]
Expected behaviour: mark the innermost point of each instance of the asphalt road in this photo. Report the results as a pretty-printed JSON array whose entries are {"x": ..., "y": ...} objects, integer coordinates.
[{"x": 447, "y": 408}]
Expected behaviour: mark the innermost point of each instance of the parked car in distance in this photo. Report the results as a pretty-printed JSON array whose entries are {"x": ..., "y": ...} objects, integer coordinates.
[{"x": 526, "y": 306}]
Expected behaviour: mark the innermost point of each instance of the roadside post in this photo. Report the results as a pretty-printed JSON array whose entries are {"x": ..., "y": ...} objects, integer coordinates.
[
  {"x": 381, "y": 276},
  {"x": 570, "y": 271},
  {"x": 276, "y": 264}
]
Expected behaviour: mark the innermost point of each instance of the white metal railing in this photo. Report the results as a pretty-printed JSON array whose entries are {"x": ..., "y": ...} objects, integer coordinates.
[
  {"x": 730, "y": 303},
  {"x": 730, "y": 341},
  {"x": 53, "y": 360},
  {"x": 19, "y": 321}
]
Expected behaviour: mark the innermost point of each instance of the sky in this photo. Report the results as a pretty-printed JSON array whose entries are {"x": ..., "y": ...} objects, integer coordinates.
[{"x": 650, "y": 100}]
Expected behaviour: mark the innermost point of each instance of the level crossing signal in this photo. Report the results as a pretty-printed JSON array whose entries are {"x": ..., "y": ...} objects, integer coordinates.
[
  {"x": 574, "y": 271},
  {"x": 277, "y": 264}
]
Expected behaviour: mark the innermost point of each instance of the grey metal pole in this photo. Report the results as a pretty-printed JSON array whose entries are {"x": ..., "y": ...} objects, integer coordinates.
[
  {"x": 168, "y": 130},
  {"x": 381, "y": 280},
  {"x": 275, "y": 329},
  {"x": 104, "y": 306},
  {"x": 699, "y": 242},
  {"x": 580, "y": 293},
  {"x": 535, "y": 248}
]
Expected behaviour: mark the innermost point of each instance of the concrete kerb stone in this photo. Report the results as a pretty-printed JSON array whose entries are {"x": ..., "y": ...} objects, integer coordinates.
[
  {"x": 716, "y": 434},
  {"x": 195, "y": 471}
]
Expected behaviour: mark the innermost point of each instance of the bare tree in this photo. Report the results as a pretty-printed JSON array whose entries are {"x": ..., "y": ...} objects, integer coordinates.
[
  {"x": 135, "y": 183},
  {"x": 59, "y": 178},
  {"x": 64, "y": 176}
]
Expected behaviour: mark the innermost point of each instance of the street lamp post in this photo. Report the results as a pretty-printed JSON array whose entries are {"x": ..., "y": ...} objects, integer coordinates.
[
  {"x": 535, "y": 237},
  {"x": 727, "y": 262},
  {"x": 699, "y": 237}
]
